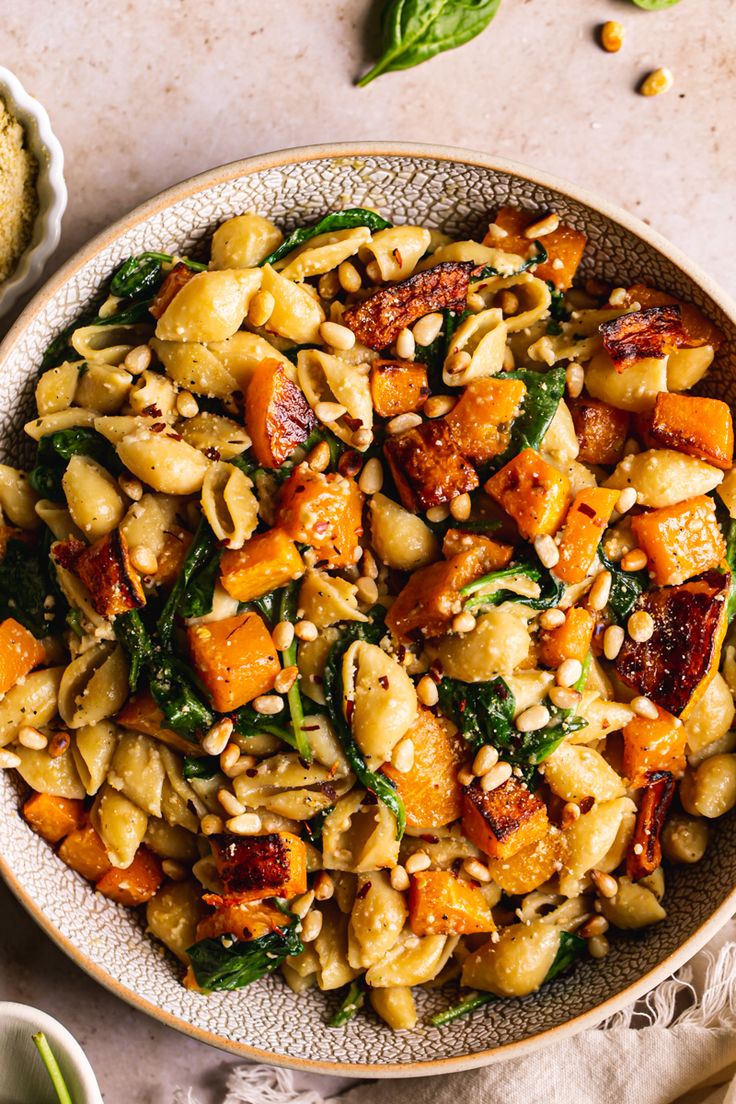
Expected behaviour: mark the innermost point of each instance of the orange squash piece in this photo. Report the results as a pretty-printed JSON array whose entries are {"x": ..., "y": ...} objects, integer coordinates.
[
  {"x": 532, "y": 492},
  {"x": 564, "y": 245},
  {"x": 430, "y": 790},
  {"x": 172, "y": 284},
  {"x": 20, "y": 652},
  {"x": 640, "y": 335},
  {"x": 398, "y": 387},
  {"x": 531, "y": 866},
  {"x": 254, "y": 867},
  {"x": 323, "y": 511},
  {"x": 245, "y": 920},
  {"x": 601, "y": 430},
  {"x": 277, "y": 415},
  {"x": 136, "y": 884},
  {"x": 681, "y": 540},
  {"x": 653, "y": 745},
  {"x": 53, "y": 817},
  {"x": 571, "y": 640},
  {"x": 141, "y": 714},
  {"x": 492, "y": 554},
  {"x": 431, "y": 597},
  {"x": 645, "y": 853},
  {"x": 481, "y": 420},
  {"x": 503, "y": 821},
  {"x": 235, "y": 659},
  {"x": 104, "y": 567},
  {"x": 585, "y": 524},
  {"x": 265, "y": 562},
  {"x": 442, "y": 904},
  {"x": 698, "y": 329},
  {"x": 427, "y": 466},
  {"x": 84, "y": 851},
  {"x": 696, "y": 426}
]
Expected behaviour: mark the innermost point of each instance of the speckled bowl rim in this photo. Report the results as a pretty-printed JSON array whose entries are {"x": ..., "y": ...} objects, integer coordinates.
[{"x": 275, "y": 160}]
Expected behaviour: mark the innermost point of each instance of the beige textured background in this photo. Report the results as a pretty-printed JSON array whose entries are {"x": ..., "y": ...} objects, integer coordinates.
[{"x": 144, "y": 94}]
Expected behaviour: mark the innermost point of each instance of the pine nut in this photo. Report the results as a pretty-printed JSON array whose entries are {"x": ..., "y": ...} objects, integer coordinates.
[
  {"x": 613, "y": 639},
  {"x": 137, "y": 360},
  {"x": 319, "y": 458},
  {"x": 465, "y": 777},
  {"x": 508, "y": 359},
  {"x": 427, "y": 691},
  {"x": 370, "y": 480},
  {"x": 463, "y": 622},
  {"x": 438, "y": 513},
  {"x": 497, "y": 776},
  {"x": 626, "y": 500},
  {"x": 640, "y": 626},
  {"x": 229, "y": 757},
  {"x": 507, "y": 301},
  {"x": 402, "y": 757},
  {"x": 547, "y": 550},
  {"x": 597, "y": 925},
  {"x": 306, "y": 630},
  {"x": 30, "y": 737},
  {"x": 612, "y": 36},
  {"x": 564, "y": 698},
  {"x": 218, "y": 737},
  {"x": 300, "y": 906},
  {"x": 437, "y": 406},
  {"x": 186, "y": 404},
  {"x": 399, "y": 879},
  {"x": 420, "y": 860},
  {"x": 268, "y": 704},
  {"x": 174, "y": 870},
  {"x": 373, "y": 272},
  {"x": 285, "y": 679},
  {"x": 324, "y": 887},
  {"x": 328, "y": 285},
  {"x": 547, "y": 225},
  {"x": 143, "y": 559},
  {"x": 240, "y": 766},
  {"x": 460, "y": 507},
  {"x": 427, "y": 328},
  {"x": 643, "y": 707},
  {"x": 311, "y": 926},
  {"x": 657, "y": 82},
  {"x": 619, "y": 297},
  {"x": 574, "y": 380},
  {"x": 59, "y": 744},
  {"x": 477, "y": 871},
  {"x": 475, "y": 302},
  {"x": 362, "y": 438},
  {"x": 598, "y": 946},
  {"x": 486, "y": 758},
  {"x": 552, "y": 618},
  {"x": 570, "y": 813},
  {"x": 329, "y": 412},
  {"x": 283, "y": 636},
  {"x": 131, "y": 486},
  {"x": 457, "y": 363},
  {"x": 230, "y": 803},
  {"x": 631, "y": 447},
  {"x": 211, "y": 825},
  {"x": 401, "y": 423},
  {"x": 369, "y": 565},
  {"x": 606, "y": 884},
  {"x": 261, "y": 308},
  {"x": 405, "y": 345},
  {"x": 349, "y": 277},
  {"x": 246, "y": 824},
  {"x": 600, "y": 591},
  {"x": 367, "y": 590},
  {"x": 339, "y": 337},
  {"x": 635, "y": 560},
  {"x": 533, "y": 718},
  {"x": 569, "y": 672},
  {"x": 497, "y": 232},
  {"x": 8, "y": 759}
]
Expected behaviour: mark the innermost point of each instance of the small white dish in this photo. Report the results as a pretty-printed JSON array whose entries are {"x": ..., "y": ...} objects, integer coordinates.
[
  {"x": 52, "y": 194},
  {"x": 23, "y": 1076}
]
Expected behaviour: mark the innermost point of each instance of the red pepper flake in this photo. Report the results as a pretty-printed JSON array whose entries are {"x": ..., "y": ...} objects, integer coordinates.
[
  {"x": 363, "y": 891},
  {"x": 212, "y": 453}
]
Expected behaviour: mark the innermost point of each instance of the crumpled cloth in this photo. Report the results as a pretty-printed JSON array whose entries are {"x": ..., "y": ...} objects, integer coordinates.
[{"x": 676, "y": 1046}]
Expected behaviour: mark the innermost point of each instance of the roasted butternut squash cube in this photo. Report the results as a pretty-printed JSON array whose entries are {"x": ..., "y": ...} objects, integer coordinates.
[
  {"x": 677, "y": 663},
  {"x": 645, "y": 854},
  {"x": 699, "y": 330},
  {"x": 84, "y": 851},
  {"x": 571, "y": 640},
  {"x": 141, "y": 714},
  {"x": 431, "y": 597},
  {"x": 530, "y": 867},
  {"x": 265, "y": 562},
  {"x": 245, "y": 920},
  {"x": 681, "y": 540},
  {"x": 323, "y": 511},
  {"x": 235, "y": 659},
  {"x": 481, "y": 420},
  {"x": 172, "y": 284},
  {"x": 428, "y": 467},
  {"x": 565, "y": 245},
  {"x": 653, "y": 745},
  {"x": 601, "y": 430},
  {"x": 53, "y": 817},
  {"x": 442, "y": 904},
  {"x": 503, "y": 820},
  {"x": 642, "y": 335},
  {"x": 532, "y": 492},
  {"x": 254, "y": 867},
  {"x": 113, "y": 583},
  {"x": 20, "y": 652},
  {"x": 696, "y": 426},
  {"x": 136, "y": 884},
  {"x": 277, "y": 415},
  {"x": 398, "y": 387},
  {"x": 430, "y": 790},
  {"x": 492, "y": 555},
  {"x": 583, "y": 531}
]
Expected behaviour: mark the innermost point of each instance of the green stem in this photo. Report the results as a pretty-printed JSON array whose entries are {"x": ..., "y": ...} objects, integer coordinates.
[
  {"x": 52, "y": 1068},
  {"x": 294, "y": 697},
  {"x": 353, "y": 1001},
  {"x": 469, "y": 1004}
]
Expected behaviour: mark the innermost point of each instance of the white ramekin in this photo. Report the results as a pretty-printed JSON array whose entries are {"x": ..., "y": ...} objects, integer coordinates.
[
  {"x": 23, "y": 1075},
  {"x": 51, "y": 188}
]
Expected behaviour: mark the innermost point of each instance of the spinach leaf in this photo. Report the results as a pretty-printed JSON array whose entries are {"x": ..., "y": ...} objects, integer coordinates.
[
  {"x": 199, "y": 554},
  {"x": 730, "y": 536},
  {"x": 351, "y": 1003},
  {"x": 59, "y": 350},
  {"x": 250, "y": 723},
  {"x": 287, "y": 612},
  {"x": 544, "y": 390},
  {"x": 200, "y": 766},
  {"x": 142, "y": 274},
  {"x": 312, "y": 828},
  {"x": 220, "y": 966},
  {"x": 551, "y": 589},
  {"x": 538, "y": 257},
  {"x": 25, "y": 584},
  {"x": 198, "y": 596},
  {"x": 55, "y": 450},
  {"x": 74, "y": 621},
  {"x": 626, "y": 586},
  {"x": 135, "y": 639},
  {"x": 413, "y": 31},
  {"x": 338, "y": 220},
  {"x": 332, "y": 686},
  {"x": 558, "y": 312},
  {"x": 571, "y": 946}
]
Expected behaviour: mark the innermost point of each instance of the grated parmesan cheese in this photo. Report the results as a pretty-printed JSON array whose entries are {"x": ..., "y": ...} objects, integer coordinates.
[{"x": 18, "y": 195}]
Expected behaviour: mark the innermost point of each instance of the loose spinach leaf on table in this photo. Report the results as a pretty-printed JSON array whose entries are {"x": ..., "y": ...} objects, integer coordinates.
[
  {"x": 348, "y": 219},
  {"x": 25, "y": 583},
  {"x": 626, "y": 586},
  {"x": 55, "y": 450},
  {"x": 413, "y": 31},
  {"x": 544, "y": 391},
  {"x": 217, "y": 966}
]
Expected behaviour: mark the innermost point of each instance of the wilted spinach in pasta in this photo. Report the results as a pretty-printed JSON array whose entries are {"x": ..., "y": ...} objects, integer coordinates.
[{"x": 366, "y": 602}]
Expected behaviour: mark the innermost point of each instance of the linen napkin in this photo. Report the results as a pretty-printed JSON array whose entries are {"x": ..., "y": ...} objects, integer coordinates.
[{"x": 676, "y": 1046}]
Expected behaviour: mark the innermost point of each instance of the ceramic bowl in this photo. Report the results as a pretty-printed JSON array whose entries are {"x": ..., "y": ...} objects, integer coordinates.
[
  {"x": 23, "y": 1076},
  {"x": 454, "y": 190},
  {"x": 51, "y": 188}
]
